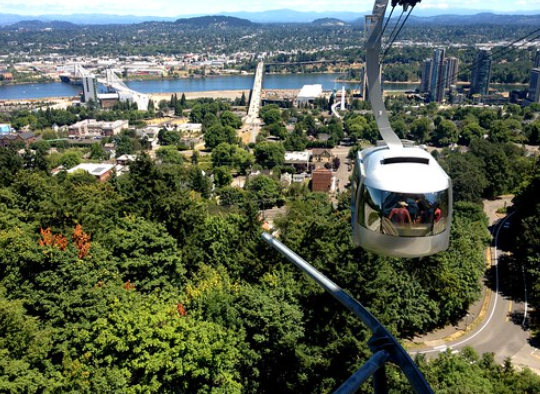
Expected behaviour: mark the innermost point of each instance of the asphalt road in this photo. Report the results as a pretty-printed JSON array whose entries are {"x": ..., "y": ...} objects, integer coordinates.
[
  {"x": 343, "y": 172},
  {"x": 499, "y": 333},
  {"x": 252, "y": 119}
]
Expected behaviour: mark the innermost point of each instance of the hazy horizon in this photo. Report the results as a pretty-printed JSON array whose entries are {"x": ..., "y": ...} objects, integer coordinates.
[{"x": 162, "y": 8}]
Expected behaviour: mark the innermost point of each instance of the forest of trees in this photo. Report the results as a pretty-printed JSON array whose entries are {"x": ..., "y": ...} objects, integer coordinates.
[
  {"x": 148, "y": 283},
  {"x": 156, "y": 282}
]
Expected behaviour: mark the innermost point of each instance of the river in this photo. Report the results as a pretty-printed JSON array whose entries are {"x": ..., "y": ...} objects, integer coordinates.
[{"x": 210, "y": 83}]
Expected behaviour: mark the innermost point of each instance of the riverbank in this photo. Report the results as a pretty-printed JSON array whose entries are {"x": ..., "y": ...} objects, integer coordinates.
[
  {"x": 156, "y": 97},
  {"x": 221, "y": 94}
]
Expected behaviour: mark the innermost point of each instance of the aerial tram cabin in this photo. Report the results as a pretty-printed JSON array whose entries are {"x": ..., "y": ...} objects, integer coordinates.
[
  {"x": 401, "y": 197},
  {"x": 401, "y": 202}
]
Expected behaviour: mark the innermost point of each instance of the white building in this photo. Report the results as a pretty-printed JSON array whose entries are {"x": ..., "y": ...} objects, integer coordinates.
[
  {"x": 309, "y": 93},
  {"x": 297, "y": 157},
  {"x": 190, "y": 127}
]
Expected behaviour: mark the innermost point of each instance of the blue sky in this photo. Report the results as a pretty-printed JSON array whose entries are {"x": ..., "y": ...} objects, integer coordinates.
[{"x": 183, "y": 7}]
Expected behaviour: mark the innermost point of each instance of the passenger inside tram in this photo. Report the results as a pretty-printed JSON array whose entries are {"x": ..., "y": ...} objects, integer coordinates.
[{"x": 403, "y": 214}]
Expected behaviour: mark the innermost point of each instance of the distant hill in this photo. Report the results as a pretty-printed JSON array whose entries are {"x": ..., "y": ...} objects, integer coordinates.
[
  {"x": 84, "y": 19},
  {"x": 329, "y": 22},
  {"x": 215, "y": 20},
  {"x": 428, "y": 16},
  {"x": 41, "y": 25},
  {"x": 485, "y": 18},
  {"x": 292, "y": 16}
]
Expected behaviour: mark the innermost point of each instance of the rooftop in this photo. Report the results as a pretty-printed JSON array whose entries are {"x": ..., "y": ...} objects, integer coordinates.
[
  {"x": 311, "y": 91},
  {"x": 92, "y": 168},
  {"x": 297, "y": 156}
]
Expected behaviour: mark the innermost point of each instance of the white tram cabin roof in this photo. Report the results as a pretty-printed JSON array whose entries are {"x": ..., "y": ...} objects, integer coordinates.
[{"x": 392, "y": 170}]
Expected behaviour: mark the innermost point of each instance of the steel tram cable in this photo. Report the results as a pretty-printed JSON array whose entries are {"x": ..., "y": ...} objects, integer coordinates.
[
  {"x": 518, "y": 40},
  {"x": 388, "y": 21},
  {"x": 395, "y": 25},
  {"x": 396, "y": 35}
]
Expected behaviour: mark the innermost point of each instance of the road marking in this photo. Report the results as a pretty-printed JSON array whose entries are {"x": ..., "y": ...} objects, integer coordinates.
[
  {"x": 494, "y": 261},
  {"x": 525, "y": 293},
  {"x": 509, "y": 311},
  {"x": 441, "y": 348}
]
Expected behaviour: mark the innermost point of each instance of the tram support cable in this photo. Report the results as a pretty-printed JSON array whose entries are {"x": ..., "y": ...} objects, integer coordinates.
[{"x": 396, "y": 35}]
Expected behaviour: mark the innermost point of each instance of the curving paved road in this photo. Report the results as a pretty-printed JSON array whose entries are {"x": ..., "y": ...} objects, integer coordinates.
[{"x": 497, "y": 333}]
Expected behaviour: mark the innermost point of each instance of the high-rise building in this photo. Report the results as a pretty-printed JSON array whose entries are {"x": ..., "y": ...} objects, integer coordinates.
[
  {"x": 452, "y": 69},
  {"x": 534, "y": 86},
  {"x": 438, "y": 76},
  {"x": 481, "y": 73},
  {"x": 537, "y": 60},
  {"x": 427, "y": 69},
  {"x": 90, "y": 91}
]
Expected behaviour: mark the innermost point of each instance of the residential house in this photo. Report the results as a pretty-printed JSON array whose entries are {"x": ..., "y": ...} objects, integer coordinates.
[
  {"x": 322, "y": 155},
  {"x": 102, "y": 171},
  {"x": 124, "y": 160},
  {"x": 26, "y": 138}
]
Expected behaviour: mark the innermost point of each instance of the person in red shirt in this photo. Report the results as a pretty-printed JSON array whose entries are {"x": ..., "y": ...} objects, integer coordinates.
[
  {"x": 437, "y": 214},
  {"x": 400, "y": 214}
]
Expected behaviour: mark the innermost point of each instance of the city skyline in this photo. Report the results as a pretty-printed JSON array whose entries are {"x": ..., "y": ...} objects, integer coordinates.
[{"x": 161, "y": 8}]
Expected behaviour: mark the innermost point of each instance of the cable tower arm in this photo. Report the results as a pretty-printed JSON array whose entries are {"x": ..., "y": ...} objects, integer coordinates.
[{"x": 374, "y": 31}]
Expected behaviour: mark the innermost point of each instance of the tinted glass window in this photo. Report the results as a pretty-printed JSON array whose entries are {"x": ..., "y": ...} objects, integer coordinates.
[
  {"x": 354, "y": 185},
  {"x": 370, "y": 208},
  {"x": 404, "y": 214}
]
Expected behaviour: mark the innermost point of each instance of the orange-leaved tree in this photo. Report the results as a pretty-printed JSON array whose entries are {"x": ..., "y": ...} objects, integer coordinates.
[{"x": 81, "y": 241}]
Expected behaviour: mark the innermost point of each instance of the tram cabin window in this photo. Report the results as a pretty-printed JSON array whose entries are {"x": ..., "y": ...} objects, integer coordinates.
[{"x": 403, "y": 214}]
